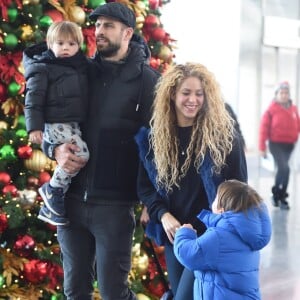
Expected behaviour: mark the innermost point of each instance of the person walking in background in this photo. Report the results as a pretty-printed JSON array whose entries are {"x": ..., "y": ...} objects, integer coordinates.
[
  {"x": 56, "y": 76},
  {"x": 225, "y": 259},
  {"x": 101, "y": 198},
  {"x": 189, "y": 149},
  {"x": 280, "y": 127}
]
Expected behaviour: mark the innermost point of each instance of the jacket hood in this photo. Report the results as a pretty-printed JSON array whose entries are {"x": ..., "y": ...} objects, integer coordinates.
[
  {"x": 139, "y": 44},
  {"x": 35, "y": 53},
  {"x": 40, "y": 53},
  {"x": 253, "y": 226}
]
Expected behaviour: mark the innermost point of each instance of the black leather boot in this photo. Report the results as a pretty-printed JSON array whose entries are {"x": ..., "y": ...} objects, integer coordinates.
[
  {"x": 283, "y": 203},
  {"x": 275, "y": 196}
]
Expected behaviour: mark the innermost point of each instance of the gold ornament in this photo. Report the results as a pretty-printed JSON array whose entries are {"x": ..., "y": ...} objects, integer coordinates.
[
  {"x": 27, "y": 32},
  {"x": 141, "y": 296},
  {"x": 37, "y": 162},
  {"x": 21, "y": 68},
  {"x": 140, "y": 22},
  {"x": 165, "y": 53},
  {"x": 51, "y": 165},
  {"x": 77, "y": 15},
  {"x": 27, "y": 198},
  {"x": 140, "y": 263},
  {"x": 3, "y": 125},
  {"x": 33, "y": 2},
  {"x": 136, "y": 250}
]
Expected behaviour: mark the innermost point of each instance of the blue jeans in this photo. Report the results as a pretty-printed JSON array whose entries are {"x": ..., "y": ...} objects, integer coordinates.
[
  {"x": 181, "y": 279},
  {"x": 98, "y": 237},
  {"x": 281, "y": 153}
]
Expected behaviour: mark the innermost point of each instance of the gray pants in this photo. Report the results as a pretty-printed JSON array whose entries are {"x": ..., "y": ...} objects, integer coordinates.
[{"x": 60, "y": 133}]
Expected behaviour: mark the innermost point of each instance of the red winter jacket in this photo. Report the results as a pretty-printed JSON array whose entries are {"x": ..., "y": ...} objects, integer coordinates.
[{"x": 279, "y": 124}]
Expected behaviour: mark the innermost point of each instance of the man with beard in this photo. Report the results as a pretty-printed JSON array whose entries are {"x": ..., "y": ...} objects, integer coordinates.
[{"x": 100, "y": 201}]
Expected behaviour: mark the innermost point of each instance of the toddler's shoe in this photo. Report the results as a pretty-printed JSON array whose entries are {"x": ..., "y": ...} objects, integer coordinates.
[
  {"x": 53, "y": 198},
  {"x": 47, "y": 216}
]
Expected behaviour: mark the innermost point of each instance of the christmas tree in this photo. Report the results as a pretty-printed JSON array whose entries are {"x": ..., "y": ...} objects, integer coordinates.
[{"x": 30, "y": 266}]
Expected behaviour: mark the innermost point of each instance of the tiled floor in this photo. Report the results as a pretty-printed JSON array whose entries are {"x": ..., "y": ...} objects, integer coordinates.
[{"x": 280, "y": 260}]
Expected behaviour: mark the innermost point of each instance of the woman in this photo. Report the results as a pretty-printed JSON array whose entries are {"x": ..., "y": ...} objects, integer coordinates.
[
  {"x": 190, "y": 148},
  {"x": 280, "y": 126}
]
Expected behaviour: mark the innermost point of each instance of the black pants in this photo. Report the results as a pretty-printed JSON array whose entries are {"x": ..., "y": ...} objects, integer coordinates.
[
  {"x": 181, "y": 279},
  {"x": 281, "y": 153},
  {"x": 100, "y": 234}
]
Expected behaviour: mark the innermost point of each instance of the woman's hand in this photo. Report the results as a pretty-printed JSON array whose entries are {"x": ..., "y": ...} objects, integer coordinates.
[
  {"x": 263, "y": 154},
  {"x": 67, "y": 159},
  {"x": 170, "y": 225}
]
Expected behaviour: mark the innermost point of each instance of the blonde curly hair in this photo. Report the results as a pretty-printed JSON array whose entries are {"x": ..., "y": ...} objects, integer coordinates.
[{"x": 212, "y": 131}]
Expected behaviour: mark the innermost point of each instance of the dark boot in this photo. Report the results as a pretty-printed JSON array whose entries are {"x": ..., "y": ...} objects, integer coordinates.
[
  {"x": 275, "y": 196},
  {"x": 283, "y": 203}
]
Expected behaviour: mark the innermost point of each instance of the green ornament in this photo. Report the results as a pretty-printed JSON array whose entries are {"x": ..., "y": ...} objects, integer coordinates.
[
  {"x": 83, "y": 47},
  {"x": 7, "y": 152},
  {"x": 10, "y": 41},
  {"x": 45, "y": 21},
  {"x": 146, "y": 2},
  {"x": 13, "y": 88},
  {"x": 95, "y": 284},
  {"x": 21, "y": 133},
  {"x": 1, "y": 281},
  {"x": 57, "y": 297},
  {"x": 21, "y": 121},
  {"x": 12, "y": 14},
  {"x": 95, "y": 3}
]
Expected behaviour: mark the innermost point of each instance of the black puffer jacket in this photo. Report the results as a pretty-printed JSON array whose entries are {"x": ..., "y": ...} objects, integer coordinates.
[
  {"x": 56, "y": 88},
  {"x": 121, "y": 96}
]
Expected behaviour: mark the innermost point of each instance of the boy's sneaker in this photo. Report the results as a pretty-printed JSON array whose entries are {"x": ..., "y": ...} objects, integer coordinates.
[
  {"x": 47, "y": 216},
  {"x": 53, "y": 198}
]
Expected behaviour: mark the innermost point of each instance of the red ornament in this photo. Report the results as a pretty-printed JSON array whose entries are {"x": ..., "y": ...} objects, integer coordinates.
[
  {"x": 25, "y": 152},
  {"x": 158, "y": 34},
  {"x": 55, "y": 15},
  {"x": 4, "y": 178},
  {"x": 156, "y": 288},
  {"x": 3, "y": 222},
  {"x": 24, "y": 245},
  {"x": 49, "y": 226},
  {"x": 89, "y": 37},
  {"x": 35, "y": 271},
  {"x": 3, "y": 93},
  {"x": 44, "y": 177},
  {"x": 151, "y": 21},
  {"x": 55, "y": 276},
  {"x": 10, "y": 188},
  {"x": 154, "y": 4},
  {"x": 155, "y": 63}
]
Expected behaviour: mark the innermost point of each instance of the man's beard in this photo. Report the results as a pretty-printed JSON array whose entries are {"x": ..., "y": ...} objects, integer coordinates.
[{"x": 110, "y": 50}]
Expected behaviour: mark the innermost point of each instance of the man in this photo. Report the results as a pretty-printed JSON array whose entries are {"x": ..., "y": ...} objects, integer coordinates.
[{"x": 101, "y": 198}]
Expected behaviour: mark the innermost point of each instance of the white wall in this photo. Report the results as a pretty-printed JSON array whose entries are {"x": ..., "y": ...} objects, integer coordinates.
[{"x": 208, "y": 32}]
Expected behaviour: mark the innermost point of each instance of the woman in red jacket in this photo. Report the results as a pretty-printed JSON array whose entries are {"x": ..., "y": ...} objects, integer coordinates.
[{"x": 280, "y": 126}]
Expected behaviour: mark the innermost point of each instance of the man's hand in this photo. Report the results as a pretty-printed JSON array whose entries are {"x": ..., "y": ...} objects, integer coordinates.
[
  {"x": 144, "y": 218},
  {"x": 67, "y": 159}
]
